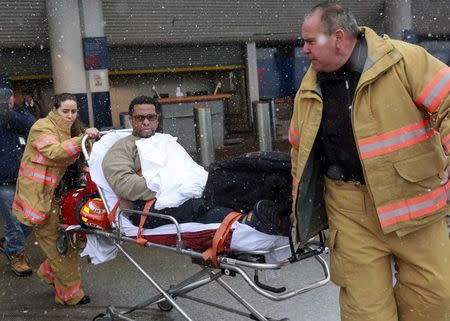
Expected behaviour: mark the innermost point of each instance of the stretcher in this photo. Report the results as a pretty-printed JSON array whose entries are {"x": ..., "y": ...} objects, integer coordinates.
[{"x": 209, "y": 247}]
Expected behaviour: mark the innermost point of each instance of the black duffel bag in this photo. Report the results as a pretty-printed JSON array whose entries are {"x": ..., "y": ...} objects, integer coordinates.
[{"x": 241, "y": 182}]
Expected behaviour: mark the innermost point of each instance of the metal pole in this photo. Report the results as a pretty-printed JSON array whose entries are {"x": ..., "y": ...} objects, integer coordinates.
[
  {"x": 204, "y": 135},
  {"x": 251, "y": 69},
  {"x": 273, "y": 117},
  {"x": 263, "y": 126}
]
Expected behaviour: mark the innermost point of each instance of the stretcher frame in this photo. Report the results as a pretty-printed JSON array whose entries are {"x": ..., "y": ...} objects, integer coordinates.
[{"x": 228, "y": 265}]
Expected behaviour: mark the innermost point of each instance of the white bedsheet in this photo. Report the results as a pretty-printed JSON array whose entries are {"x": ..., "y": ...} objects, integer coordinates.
[{"x": 100, "y": 249}]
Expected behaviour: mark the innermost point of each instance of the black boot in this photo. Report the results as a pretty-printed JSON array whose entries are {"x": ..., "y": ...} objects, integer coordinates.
[{"x": 268, "y": 218}]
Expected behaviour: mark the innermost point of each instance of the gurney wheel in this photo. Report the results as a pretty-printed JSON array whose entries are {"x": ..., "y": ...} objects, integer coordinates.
[
  {"x": 165, "y": 306},
  {"x": 102, "y": 317}
]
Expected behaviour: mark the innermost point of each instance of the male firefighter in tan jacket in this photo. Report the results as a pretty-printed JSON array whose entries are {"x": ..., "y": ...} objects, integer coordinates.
[{"x": 371, "y": 120}]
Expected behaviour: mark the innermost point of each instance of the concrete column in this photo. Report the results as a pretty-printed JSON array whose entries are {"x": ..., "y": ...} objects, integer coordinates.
[
  {"x": 252, "y": 79},
  {"x": 66, "y": 51},
  {"x": 398, "y": 17},
  {"x": 96, "y": 62}
]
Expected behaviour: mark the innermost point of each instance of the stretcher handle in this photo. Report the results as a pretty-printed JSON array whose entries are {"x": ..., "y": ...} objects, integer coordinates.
[
  {"x": 288, "y": 294},
  {"x": 267, "y": 287},
  {"x": 301, "y": 254},
  {"x": 308, "y": 254}
]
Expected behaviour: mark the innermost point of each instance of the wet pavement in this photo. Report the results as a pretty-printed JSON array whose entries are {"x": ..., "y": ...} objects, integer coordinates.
[{"x": 118, "y": 283}]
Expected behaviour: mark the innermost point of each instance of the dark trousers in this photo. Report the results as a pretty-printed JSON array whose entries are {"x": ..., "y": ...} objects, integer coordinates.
[{"x": 191, "y": 211}]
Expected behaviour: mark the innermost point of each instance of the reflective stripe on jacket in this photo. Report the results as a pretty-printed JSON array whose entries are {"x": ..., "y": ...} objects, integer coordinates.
[
  {"x": 48, "y": 152},
  {"x": 401, "y": 127}
]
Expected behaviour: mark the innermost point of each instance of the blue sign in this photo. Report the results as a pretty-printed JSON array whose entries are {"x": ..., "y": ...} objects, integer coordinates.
[{"x": 95, "y": 51}]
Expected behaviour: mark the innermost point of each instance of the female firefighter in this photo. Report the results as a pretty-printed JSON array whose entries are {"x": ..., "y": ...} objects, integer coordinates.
[{"x": 53, "y": 144}]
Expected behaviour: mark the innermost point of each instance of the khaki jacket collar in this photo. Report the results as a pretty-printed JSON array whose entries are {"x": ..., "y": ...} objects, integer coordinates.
[
  {"x": 380, "y": 56},
  {"x": 60, "y": 123}
]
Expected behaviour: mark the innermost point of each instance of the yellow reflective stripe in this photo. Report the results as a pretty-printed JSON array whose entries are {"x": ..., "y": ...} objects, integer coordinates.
[
  {"x": 395, "y": 139},
  {"x": 412, "y": 208},
  {"x": 44, "y": 141},
  {"x": 66, "y": 295},
  {"x": 39, "y": 159},
  {"x": 47, "y": 271},
  {"x": 435, "y": 91},
  {"x": 38, "y": 176},
  {"x": 294, "y": 137},
  {"x": 294, "y": 187},
  {"x": 28, "y": 212},
  {"x": 71, "y": 147}
]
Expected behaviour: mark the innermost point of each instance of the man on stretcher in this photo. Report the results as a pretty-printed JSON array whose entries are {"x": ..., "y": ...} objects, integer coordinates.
[{"x": 170, "y": 176}]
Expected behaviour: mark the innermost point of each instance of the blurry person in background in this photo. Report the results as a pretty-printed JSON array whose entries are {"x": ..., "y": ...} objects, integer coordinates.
[
  {"x": 53, "y": 144},
  {"x": 33, "y": 106},
  {"x": 370, "y": 137},
  {"x": 15, "y": 123}
]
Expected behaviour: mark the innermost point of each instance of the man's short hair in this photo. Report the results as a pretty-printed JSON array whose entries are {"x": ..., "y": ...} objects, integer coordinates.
[
  {"x": 147, "y": 100},
  {"x": 334, "y": 16}
]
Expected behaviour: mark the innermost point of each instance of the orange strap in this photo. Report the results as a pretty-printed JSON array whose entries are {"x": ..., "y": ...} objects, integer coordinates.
[
  {"x": 112, "y": 214},
  {"x": 139, "y": 239},
  {"x": 218, "y": 244}
]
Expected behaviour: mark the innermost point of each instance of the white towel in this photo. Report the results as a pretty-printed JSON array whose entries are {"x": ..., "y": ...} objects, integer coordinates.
[{"x": 170, "y": 171}]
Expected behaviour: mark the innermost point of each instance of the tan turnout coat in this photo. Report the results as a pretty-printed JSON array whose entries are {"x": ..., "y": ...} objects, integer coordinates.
[
  {"x": 48, "y": 152},
  {"x": 401, "y": 128}
]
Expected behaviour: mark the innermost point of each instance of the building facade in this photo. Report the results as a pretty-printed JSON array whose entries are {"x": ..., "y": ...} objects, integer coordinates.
[{"x": 156, "y": 46}]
